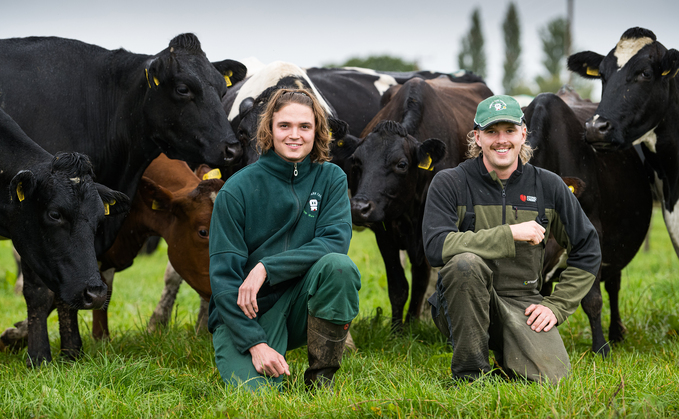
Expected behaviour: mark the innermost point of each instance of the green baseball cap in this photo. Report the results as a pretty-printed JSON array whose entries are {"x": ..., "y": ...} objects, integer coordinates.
[{"x": 498, "y": 108}]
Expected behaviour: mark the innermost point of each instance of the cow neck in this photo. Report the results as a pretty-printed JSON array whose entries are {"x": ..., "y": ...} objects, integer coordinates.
[{"x": 282, "y": 169}]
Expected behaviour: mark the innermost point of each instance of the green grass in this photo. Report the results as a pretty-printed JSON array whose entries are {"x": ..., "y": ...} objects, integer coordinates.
[{"x": 172, "y": 373}]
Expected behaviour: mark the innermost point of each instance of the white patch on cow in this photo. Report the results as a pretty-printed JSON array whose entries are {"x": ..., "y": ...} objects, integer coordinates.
[
  {"x": 672, "y": 223},
  {"x": 650, "y": 139},
  {"x": 382, "y": 84},
  {"x": 253, "y": 65},
  {"x": 267, "y": 77},
  {"x": 75, "y": 180},
  {"x": 213, "y": 196},
  {"x": 595, "y": 117},
  {"x": 561, "y": 264},
  {"x": 107, "y": 276},
  {"x": 628, "y": 48}
]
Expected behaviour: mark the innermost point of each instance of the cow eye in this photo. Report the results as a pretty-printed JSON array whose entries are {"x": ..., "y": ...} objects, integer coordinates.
[
  {"x": 54, "y": 215},
  {"x": 183, "y": 90},
  {"x": 203, "y": 233},
  {"x": 402, "y": 165},
  {"x": 644, "y": 75}
]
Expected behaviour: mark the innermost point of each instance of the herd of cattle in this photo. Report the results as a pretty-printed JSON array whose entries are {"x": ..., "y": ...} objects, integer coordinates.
[{"x": 100, "y": 150}]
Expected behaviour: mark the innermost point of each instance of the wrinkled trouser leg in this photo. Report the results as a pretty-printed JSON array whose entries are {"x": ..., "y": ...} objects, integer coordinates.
[
  {"x": 475, "y": 319},
  {"x": 329, "y": 291}
]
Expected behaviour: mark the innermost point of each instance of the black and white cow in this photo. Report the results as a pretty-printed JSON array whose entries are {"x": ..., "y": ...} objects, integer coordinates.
[
  {"x": 639, "y": 105},
  {"x": 393, "y": 165},
  {"x": 50, "y": 208},
  {"x": 617, "y": 197},
  {"x": 123, "y": 111}
]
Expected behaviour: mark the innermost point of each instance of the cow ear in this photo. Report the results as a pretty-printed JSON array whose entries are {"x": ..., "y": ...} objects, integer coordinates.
[
  {"x": 115, "y": 202},
  {"x": 347, "y": 145},
  {"x": 233, "y": 71},
  {"x": 670, "y": 63},
  {"x": 22, "y": 185},
  {"x": 430, "y": 152},
  {"x": 154, "y": 196},
  {"x": 338, "y": 128},
  {"x": 586, "y": 64},
  {"x": 575, "y": 184},
  {"x": 152, "y": 70},
  {"x": 245, "y": 106}
]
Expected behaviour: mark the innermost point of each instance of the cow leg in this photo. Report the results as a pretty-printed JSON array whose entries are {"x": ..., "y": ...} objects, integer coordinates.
[
  {"x": 161, "y": 315},
  {"x": 203, "y": 314},
  {"x": 100, "y": 329},
  {"x": 19, "y": 285},
  {"x": 592, "y": 304},
  {"x": 396, "y": 278},
  {"x": 617, "y": 330},
  {"x": 39, "y": 304},
  {"x": 71, "y": 343},
  {"x": 420, "y": 281}
]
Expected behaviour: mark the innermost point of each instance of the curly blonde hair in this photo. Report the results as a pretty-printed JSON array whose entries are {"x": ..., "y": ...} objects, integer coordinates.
[
  {"x": 473, "y": 149},
  {"x": 321, "y": 149}
]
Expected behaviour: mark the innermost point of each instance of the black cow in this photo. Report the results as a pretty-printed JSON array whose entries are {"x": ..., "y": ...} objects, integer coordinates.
[
  {"x": 51, "y": 213},
  {"x": 617, "y": 197},
  {"x": 392, "y": 170},
  {"x": 639, "y": 105},
  {"x": 123, "y": 111}
]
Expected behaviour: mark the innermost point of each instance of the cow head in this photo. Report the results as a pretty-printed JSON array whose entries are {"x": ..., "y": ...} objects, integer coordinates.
[
  {"x": 185, "y": 218},
  {"x": 55, "y": 211},
  {"x": 638, "y": 89},
  {"x": 389, "y": 166},
  {"x": 182, "y": 105}
]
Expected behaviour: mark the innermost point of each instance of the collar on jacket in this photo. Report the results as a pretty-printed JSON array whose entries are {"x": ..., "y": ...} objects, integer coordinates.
[
  {"x": 282, "y": 169},
  {"x": 492, "y": 176}
]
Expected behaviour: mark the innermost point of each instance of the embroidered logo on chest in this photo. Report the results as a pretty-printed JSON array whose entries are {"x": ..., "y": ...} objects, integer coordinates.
[{"x": 314, "y": 204}]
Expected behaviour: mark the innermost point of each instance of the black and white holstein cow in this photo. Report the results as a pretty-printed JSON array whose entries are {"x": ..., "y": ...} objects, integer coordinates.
[
  {"x": 50, "y": 208},
  {"x": 123, "y": 111},
  {"x": 617, "y": 196},
  {"x": 393, "y": 166},
  {"x": 639, "y": 105}
]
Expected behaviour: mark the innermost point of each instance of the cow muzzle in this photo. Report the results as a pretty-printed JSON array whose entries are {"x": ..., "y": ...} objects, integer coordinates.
[
  {"x": 361, "y": 210},
  {"x": 94, "y": 296},
  {"x": 598, "y": 132}
]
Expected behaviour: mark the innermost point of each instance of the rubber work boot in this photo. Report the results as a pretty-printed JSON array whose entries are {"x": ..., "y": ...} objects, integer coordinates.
[{"x": 325, "y": 343}]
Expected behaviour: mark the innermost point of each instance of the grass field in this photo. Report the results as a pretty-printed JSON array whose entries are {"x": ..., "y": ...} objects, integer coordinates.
[{"x": 172, "y": 374}]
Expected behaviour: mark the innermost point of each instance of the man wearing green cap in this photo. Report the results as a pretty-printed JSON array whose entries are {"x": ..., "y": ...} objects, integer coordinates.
[{"x": 486, "y": 223}]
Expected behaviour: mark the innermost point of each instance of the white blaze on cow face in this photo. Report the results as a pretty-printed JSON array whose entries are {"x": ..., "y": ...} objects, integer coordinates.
[
  {"x": 650, "y": 139},
  {"x": 270, "y": 76},
  {"x": 628, "y": 48},
  {"x": 382, "y": 84}
]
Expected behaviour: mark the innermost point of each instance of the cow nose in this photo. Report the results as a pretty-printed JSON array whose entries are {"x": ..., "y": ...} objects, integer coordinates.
[
  {"x": 95, "y": 296},
  {"x": 597, "y": 129},
  {"x": 233, "y": 153},
  {"x": 361, "y": 209}
]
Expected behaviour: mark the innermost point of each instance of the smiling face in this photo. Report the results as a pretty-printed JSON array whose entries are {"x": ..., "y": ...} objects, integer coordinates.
[
  {"x": 500, "y": 145},
  {"x": 293, "y": 131}
]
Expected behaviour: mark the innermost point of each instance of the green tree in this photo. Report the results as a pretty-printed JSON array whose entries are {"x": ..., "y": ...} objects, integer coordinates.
[
  {"x": 379, "y": 62},
  {"x": 555, "y": 37},
  {"x": 472, "y": 57},
  {"x": 512, "y": 32}
]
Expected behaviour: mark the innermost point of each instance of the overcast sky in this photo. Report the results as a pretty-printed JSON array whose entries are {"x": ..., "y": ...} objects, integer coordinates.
[{"x": 313, "y": 33}]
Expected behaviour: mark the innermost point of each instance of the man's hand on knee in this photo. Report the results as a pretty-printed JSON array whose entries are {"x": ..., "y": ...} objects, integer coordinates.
[
  {"x": 267, "y": 361},
  {"x": 541, "y": 318}
]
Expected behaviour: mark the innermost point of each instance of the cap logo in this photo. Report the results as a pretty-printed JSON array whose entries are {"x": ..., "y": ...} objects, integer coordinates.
[{"x": 499, "y": 105}]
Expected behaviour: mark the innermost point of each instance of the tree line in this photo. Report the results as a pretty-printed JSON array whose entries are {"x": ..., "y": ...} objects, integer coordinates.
[{"x": 555, "y": 38}]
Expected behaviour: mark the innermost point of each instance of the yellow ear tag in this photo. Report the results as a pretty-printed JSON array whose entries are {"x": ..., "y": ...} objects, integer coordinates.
[
  {"x": 146, "y": 70},
  {"x": 212, "y": 174},
  {"x": 340, "y": 143},
  {"x": 330, "y": 131},
  {"x": 571, "y": 188},
  {"x": 592, "y": 71},
  {"x": 426, "y": 163},
  {"x": 227, "y": 78},
  {"x": 107, "y": 210},
  {"x": 155, "y": 205},
  {"x": 155, "y": 80},
  {"x": 666, "y": 72},
  {"x": 20, "y": 192}
]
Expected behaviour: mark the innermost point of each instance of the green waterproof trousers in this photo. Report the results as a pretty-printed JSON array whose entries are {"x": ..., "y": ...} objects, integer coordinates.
[
  {"x": 329, "y": 291},
  {"x": 474, "y": 318}
]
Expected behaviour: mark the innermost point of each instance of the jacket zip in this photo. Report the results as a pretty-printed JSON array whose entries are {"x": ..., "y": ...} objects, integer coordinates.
[
  {"x": 294, "y": 194},
  {"x": 504, "y": 196}
]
